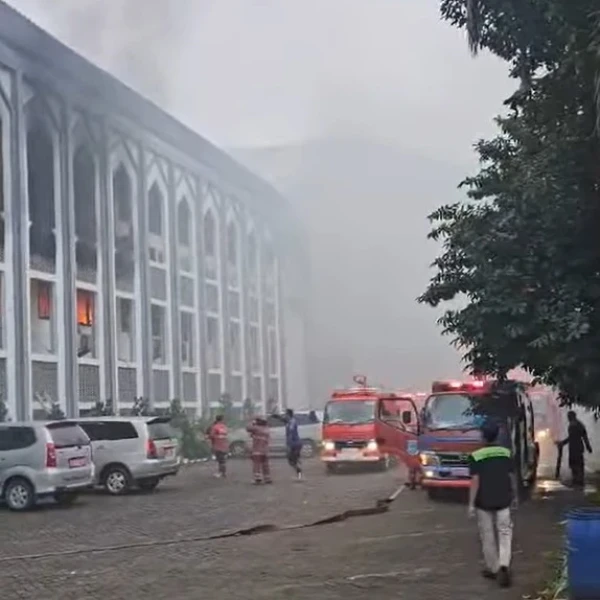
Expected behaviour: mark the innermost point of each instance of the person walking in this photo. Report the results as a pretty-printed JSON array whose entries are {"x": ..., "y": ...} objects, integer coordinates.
[
  {"x": 218, "y": 435},
  {"x": 578, "y": 441},
  {"x": 259, "y": 433},
  {"x": 492, "y": 493},
  {"x": 293, "y": 442}
]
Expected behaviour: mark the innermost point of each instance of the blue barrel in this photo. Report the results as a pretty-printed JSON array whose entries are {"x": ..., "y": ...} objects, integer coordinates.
[{"x": 583, "y": 559}]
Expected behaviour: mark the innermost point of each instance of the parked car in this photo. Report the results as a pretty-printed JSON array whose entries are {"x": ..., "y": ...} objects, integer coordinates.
[
  {"x": 41, "y": 460},
  {"x": 309, "y": 428},
  {"x": 131, "y": 451}
]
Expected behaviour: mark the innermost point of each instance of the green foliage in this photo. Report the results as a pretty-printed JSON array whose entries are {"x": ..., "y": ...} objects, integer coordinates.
[
  {"x": 226, "y": 407},
  {"x": 522, "y": 255},
  {"x": 55, "y": 413},
  {"x": 141, "y": 407},
  {"x": 101, "y": 409},
  {"x": 3, "y": 410},
  {"x": 191, "y": 437},
  {"x": 248, "y": 409}
]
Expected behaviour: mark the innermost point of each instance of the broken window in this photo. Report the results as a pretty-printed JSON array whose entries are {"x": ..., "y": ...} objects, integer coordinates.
[
  {"x": 156, "y": 245},
  {"x": 187, "y": 339},
  {"x": 84, "y": 188},
  {"x": 159, "y": 334},
  {"x": 86, "y": 324},
  {"x": 124, "y": 230},
  {"x": 40, "y": 190},
  {"x": 42, "y": 316},
  {"x": 185, "y": 227},
  {"x": 125, "y": 330}
]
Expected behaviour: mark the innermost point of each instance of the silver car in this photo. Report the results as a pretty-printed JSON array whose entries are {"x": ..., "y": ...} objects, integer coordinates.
[
  {"x": 131, "y": 451},
  {"x": 309, "y": 429},
  {"x": 41, "y": 460}
]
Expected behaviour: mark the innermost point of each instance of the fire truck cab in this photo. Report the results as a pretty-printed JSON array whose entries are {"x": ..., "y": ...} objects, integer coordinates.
[
  {"x": 439, "y": 439},
  {"x": 349, "y": 428}
]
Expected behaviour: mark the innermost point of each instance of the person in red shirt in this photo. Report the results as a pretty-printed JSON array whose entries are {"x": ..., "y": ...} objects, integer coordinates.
[
  {"x": 259, "y": 432},
  {"x": 220, "y": 444}
]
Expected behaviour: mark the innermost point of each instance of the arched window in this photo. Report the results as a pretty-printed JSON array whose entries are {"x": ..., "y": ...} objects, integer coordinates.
[
  {"x": 124, "y": 231},
  {"x": 232, "y": 244},
  {"x": 184, "y": 223},
  {"x": 210, "y": 241},
  {"x": 84, "y": 188},
  {"x": 40, "y": 188},
  {"x": 155, "y": 211},
  {"x": 122, "y": 194}
]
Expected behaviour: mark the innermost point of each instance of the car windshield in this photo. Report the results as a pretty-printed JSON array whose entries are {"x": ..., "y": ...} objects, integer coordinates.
[
  {"x": 67, "y": 435},
  {"x": 352, "y": 412},
  {"x": 451, "y": 411}
]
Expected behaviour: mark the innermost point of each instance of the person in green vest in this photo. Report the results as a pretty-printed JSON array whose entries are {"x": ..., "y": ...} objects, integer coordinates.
[{"x": 492, "y": 493}]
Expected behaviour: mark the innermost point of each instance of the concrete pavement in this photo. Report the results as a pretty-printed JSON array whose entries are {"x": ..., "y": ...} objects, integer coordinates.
[{"x": 155, "y": 546}]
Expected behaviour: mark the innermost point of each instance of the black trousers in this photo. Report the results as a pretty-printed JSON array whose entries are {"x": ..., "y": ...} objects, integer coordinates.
[
  {"x": 577, "y": 466},
  {"x": 293, "y": 457},
  {"x": 221, "y": 461}
]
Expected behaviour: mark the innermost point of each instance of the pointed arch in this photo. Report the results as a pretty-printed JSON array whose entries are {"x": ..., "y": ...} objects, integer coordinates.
[
  {"x": 122, "y": 189},
  {"x": 184, "y": 223},
  {"x": 122, "y": 194},
  {"x": 156, "y": 211},
  {"x": 41, "y": 193},
  {"x": 210, "y": 233},
  {"x": 233, "y": 246},
  {"x": 86, "y": 224}
]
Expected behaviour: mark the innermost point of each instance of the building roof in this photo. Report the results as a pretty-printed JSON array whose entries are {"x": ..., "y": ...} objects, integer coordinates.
[{"x": 41, "y": 54}]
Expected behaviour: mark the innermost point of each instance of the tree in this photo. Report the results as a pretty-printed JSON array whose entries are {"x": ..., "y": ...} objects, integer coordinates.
[
  {"x": 55, "y": 413},
  {"x": 226, "y": 407},
  {"x": 522, "y": 254},
  {"x": 141, "y": 407},
  {"x": 3, "y": 411},
  {"x": 192, "y": 445},
  {"x": 101, "y": 409}
]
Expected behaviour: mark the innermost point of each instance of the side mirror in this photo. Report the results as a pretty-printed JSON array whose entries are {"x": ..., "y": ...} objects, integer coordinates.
[{"x": 407, "y": 417}]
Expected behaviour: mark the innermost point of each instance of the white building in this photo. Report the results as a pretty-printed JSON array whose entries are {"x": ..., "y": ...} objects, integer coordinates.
[{"x": 136, "y": 259}]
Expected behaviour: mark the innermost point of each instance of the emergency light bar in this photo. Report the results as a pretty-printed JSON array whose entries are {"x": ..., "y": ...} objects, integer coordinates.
[
  {"x": 459, "y": 386},
  {"x": 362, "y": 391}
]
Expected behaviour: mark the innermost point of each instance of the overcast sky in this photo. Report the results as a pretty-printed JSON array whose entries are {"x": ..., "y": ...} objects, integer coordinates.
[{"x": 258, "y": 72}]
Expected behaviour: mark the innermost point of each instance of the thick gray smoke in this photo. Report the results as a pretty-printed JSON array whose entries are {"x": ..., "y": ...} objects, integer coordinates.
[{"x": 363, "y": 113}]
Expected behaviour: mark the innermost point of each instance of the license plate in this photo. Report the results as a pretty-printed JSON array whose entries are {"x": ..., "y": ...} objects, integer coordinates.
[
  {"x": 74, "y": 463},
  {"x": 460, "y": 472},
  {"x": 169, "y": 452},
  {"x": 350, "y": 453}
]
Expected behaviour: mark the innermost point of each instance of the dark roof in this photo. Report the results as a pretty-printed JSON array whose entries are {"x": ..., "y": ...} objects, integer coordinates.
[{"x": 45, "y": 57}]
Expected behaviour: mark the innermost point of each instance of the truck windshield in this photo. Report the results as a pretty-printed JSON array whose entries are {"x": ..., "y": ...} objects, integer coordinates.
[
  {"x": 451, "y": 411},
  {"x": 351, "y": 412}
]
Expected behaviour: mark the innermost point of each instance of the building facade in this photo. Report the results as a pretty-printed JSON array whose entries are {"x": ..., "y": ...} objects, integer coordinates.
[{"x": 136, "y": 259}]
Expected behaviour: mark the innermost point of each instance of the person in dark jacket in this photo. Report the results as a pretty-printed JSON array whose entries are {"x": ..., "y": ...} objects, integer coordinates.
[{"x": 577, "y": 441}]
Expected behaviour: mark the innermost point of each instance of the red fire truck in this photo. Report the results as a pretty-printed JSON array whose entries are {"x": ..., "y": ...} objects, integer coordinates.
[
  {"x": 349, "y": 428},
  {"x": 440, "y": 438}
]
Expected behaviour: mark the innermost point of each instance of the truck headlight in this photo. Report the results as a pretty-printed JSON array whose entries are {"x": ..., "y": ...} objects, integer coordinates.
[
  {"x": 328, "y": 446},
  {"x": 429, "y": 459},
  {"x": 372, "y": 446}
]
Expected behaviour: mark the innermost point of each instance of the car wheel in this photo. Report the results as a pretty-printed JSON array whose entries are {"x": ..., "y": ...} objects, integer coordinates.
[
  {"x": 148, "y": 485},
  {"x": 308, "y": 449},
  {"x": 65, "y": 498},
  {"x": 116, "y": 481},
  {"x": 238, "y": 450},
  {"x": 19, "y": 495}
]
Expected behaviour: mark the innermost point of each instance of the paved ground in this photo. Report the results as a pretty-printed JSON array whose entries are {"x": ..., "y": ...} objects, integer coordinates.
[{"x": 155, "y": 546}]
